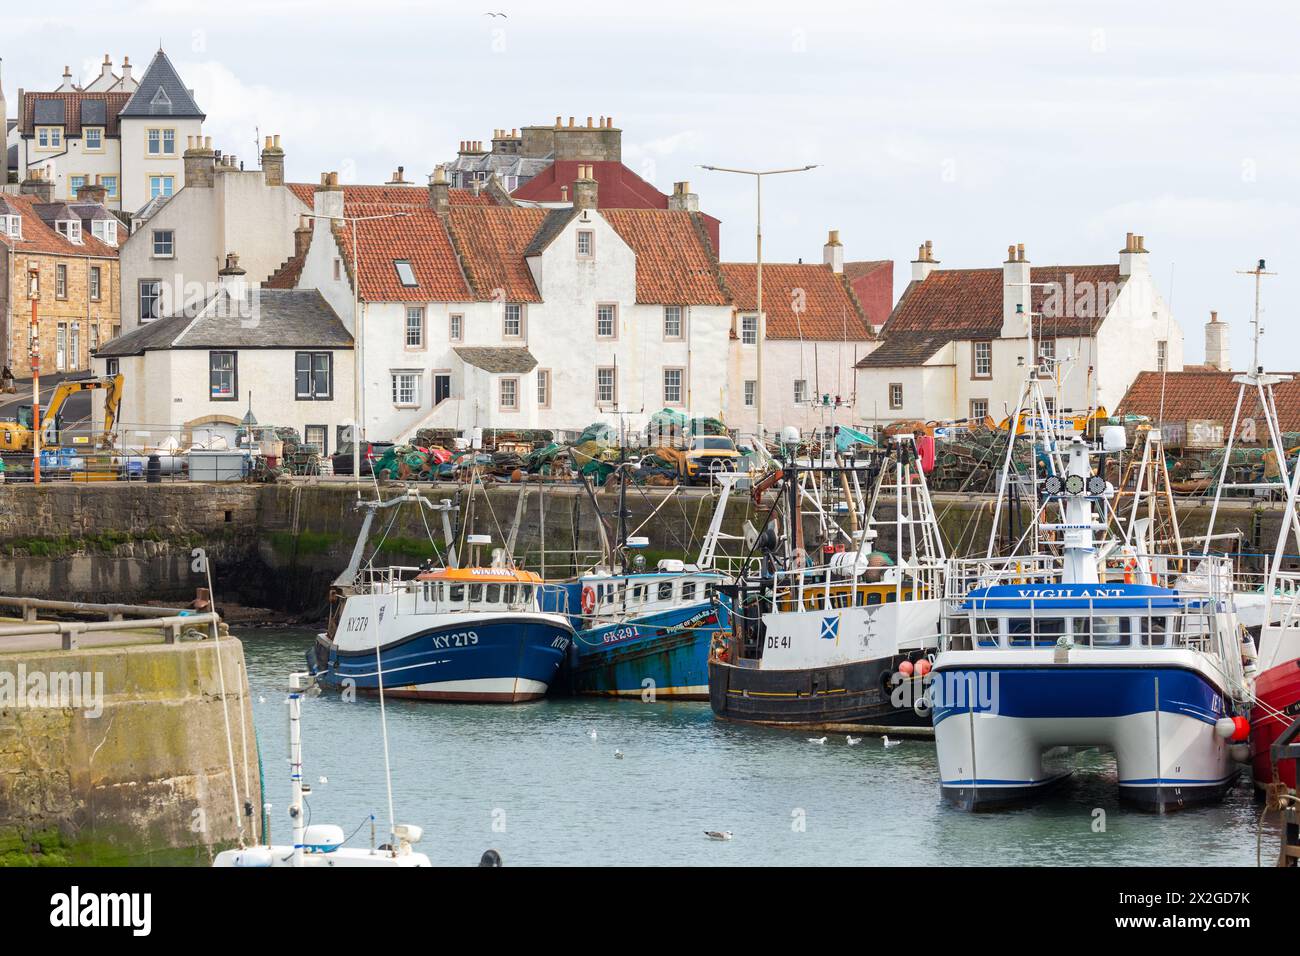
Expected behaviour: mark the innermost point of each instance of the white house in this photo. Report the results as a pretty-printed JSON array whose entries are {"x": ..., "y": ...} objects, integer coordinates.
[
  {"x": 129, "y": 134},
  {"x": 282, "y": 354},
  {"x": 476, "y": 312},
  {"x": 179, "y": 242},
  {"x": 816, "y": 330},
  {"x": 956, "y": 343}
]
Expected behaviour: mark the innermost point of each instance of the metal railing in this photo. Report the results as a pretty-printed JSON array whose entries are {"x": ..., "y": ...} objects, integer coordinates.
[{"x": 168, "y": 623}]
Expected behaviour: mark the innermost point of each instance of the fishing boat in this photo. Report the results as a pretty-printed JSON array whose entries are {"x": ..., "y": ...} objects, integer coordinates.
[
  {"x": 645, "y": 633},
  {"x": 472, "y": 633},
  {"x": 1056, "y": 649},
  {"x": 834, "y": 631},
  {"x": 321, "y": 845}
]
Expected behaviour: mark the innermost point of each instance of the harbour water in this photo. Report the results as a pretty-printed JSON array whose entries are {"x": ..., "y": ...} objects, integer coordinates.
[{"x": 529, "y": 781}]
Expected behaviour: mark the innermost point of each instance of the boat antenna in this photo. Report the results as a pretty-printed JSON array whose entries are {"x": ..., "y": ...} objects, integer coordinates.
[{"x": 1258, "y": 272}]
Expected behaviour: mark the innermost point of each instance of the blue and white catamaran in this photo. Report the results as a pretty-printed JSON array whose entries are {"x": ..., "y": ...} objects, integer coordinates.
[{"x": 1067, "y": 647}]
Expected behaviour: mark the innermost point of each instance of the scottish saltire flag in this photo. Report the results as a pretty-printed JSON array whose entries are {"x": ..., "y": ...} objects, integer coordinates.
[{"x": 830, "y": 628}]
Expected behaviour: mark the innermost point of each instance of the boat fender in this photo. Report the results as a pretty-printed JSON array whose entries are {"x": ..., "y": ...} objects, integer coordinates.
[
  {"x": 1239, "y": 752},
  {"x": 1224, "y": 727},
  {"x": 922, "y": 667},
  {"x": 906, "y": 668},
  {"x": 254, "y": 857},
  {"x": 1241, "y": 729},
  {"x": 572, "y": 654}
]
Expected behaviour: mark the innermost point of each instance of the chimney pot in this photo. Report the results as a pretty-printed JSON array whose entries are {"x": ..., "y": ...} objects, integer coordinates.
[{"x": 570, "y": 122}]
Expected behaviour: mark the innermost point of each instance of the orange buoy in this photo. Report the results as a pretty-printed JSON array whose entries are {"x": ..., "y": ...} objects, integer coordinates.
[
  {"x": 905, "y": 668},
  {"x": 922, "y": 667},
  {"x": 1241, "y": 728}
]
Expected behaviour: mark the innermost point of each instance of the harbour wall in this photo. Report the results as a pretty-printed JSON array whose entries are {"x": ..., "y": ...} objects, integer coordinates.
[
  {"x": 132, "y": 769},
  {"x": 280, "y": 545}
]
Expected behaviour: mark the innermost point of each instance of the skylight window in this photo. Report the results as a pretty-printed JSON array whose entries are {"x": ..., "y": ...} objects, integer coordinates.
[{"x": 405, "y": 274}]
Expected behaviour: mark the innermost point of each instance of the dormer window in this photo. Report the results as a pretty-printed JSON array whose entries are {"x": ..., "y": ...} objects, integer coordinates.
[
  {"x": 69, "y": 229},
  {"x": 405, "y": 274},
  {"x": 105, "y": 230},
  {"x": 12, "y": 226}
]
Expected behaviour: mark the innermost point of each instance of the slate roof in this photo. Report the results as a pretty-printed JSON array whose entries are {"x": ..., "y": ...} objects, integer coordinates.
[
  {"x": 162, "y": 93},
  {"x": 41, "y": 236},
  {"x": 801, "y": 301},
  {"x": 674, "y": 261},
  {"x": 552, "y": 226},
  {"x": 492, "y": 241},
  {"x": 1209, "y": 395},
  {"x": 284, "y": 319},
  {"x": 69, "y": 110},
  {"x": 518, "y": 361},
  {"x": 905, "y": 349}
]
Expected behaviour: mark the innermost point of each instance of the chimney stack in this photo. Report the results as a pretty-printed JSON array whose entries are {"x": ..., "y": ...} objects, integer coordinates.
[
  {"x": 200, "y": 162},
  {"x": 585, "y": 188},
  {"x": 440, "y": 192},
  {"x": 399, "y": 177},
  {"x": 327, "y": 200},
  {"x": 231, "y": 277},
  {"x": 925, "y": 262},
  {"x": 1133, "y": 257},
  {"x": 273, "y": 161},
  {"x": 126, "y": 71},
  {"x": 67, "y": 86},
  {"x": 683, "y": 199},
  {"x": 1216, "y": 344},
  {"x": 833, "y": 252},
  {"x": 1017, "y": 296},
  {"x": 95, "y": 192},
  {"x": 37, "y": 186},
  {"x": 302, "y": 236}
]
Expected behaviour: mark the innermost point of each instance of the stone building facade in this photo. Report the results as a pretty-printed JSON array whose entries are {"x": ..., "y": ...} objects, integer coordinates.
[{"x": 77, "y": 290}]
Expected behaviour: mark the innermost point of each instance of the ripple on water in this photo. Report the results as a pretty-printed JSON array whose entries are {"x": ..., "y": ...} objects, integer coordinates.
[{"x": 528, "y": 780}]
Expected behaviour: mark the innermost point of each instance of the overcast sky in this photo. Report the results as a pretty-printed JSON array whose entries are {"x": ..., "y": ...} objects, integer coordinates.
[{"x": 975, "y": 125}]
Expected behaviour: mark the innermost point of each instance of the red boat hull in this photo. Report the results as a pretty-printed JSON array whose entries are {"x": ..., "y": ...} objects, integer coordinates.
[{"x": 1278, "y": 690}]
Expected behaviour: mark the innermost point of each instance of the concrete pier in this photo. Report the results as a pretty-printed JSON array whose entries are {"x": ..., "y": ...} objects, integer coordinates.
[{"x": 133, "y": 746}]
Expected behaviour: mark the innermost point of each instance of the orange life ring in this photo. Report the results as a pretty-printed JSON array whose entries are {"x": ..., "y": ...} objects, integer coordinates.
[{"x": 588, "y": 599}]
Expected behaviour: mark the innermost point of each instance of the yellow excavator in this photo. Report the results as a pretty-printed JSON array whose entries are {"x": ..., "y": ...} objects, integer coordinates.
[{"x": 16, "y": 434}]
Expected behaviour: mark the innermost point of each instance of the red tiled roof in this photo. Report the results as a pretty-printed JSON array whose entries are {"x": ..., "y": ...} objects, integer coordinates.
[
  {"x": 491, "y": 241},
  {"x": 39, "y": 237},
  {"x": 801, "y": 301},
  {"x": 617, "y": 188},
  {"x": 419, "y": 238},
  {"x": 873, "y": 284},
  {"x": 1209, "y": 395},
  {"x": 287, "y": 276},
  {"x": 967, "y": 303},
  {"x": 72, "y": 110},
  {"x": 393, "y": 195},
  {"x": 674, "y": 263}
]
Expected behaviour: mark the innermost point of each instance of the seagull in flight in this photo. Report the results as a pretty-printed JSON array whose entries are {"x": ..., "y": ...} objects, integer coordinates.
[{"x": 496, "y": 15}]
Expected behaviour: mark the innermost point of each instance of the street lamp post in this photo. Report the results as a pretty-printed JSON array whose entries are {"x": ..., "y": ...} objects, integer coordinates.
[
  {"x": 358, "y": 359},
  {"x": 758, "y": 175}
]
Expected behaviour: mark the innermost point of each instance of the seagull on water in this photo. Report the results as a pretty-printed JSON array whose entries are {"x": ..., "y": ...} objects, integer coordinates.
[
  {"x": 324, "y": 780},
  {"x": 851, "y": 740},
  {"x": 618, "y": 755},
  {"x": 816, "y": 740},
  {"x": 261, "y": 699},
  {"x": 892, "y": 743},
  {"x": 592, "y": 733},
  {"x": 718, "y": 834}
]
